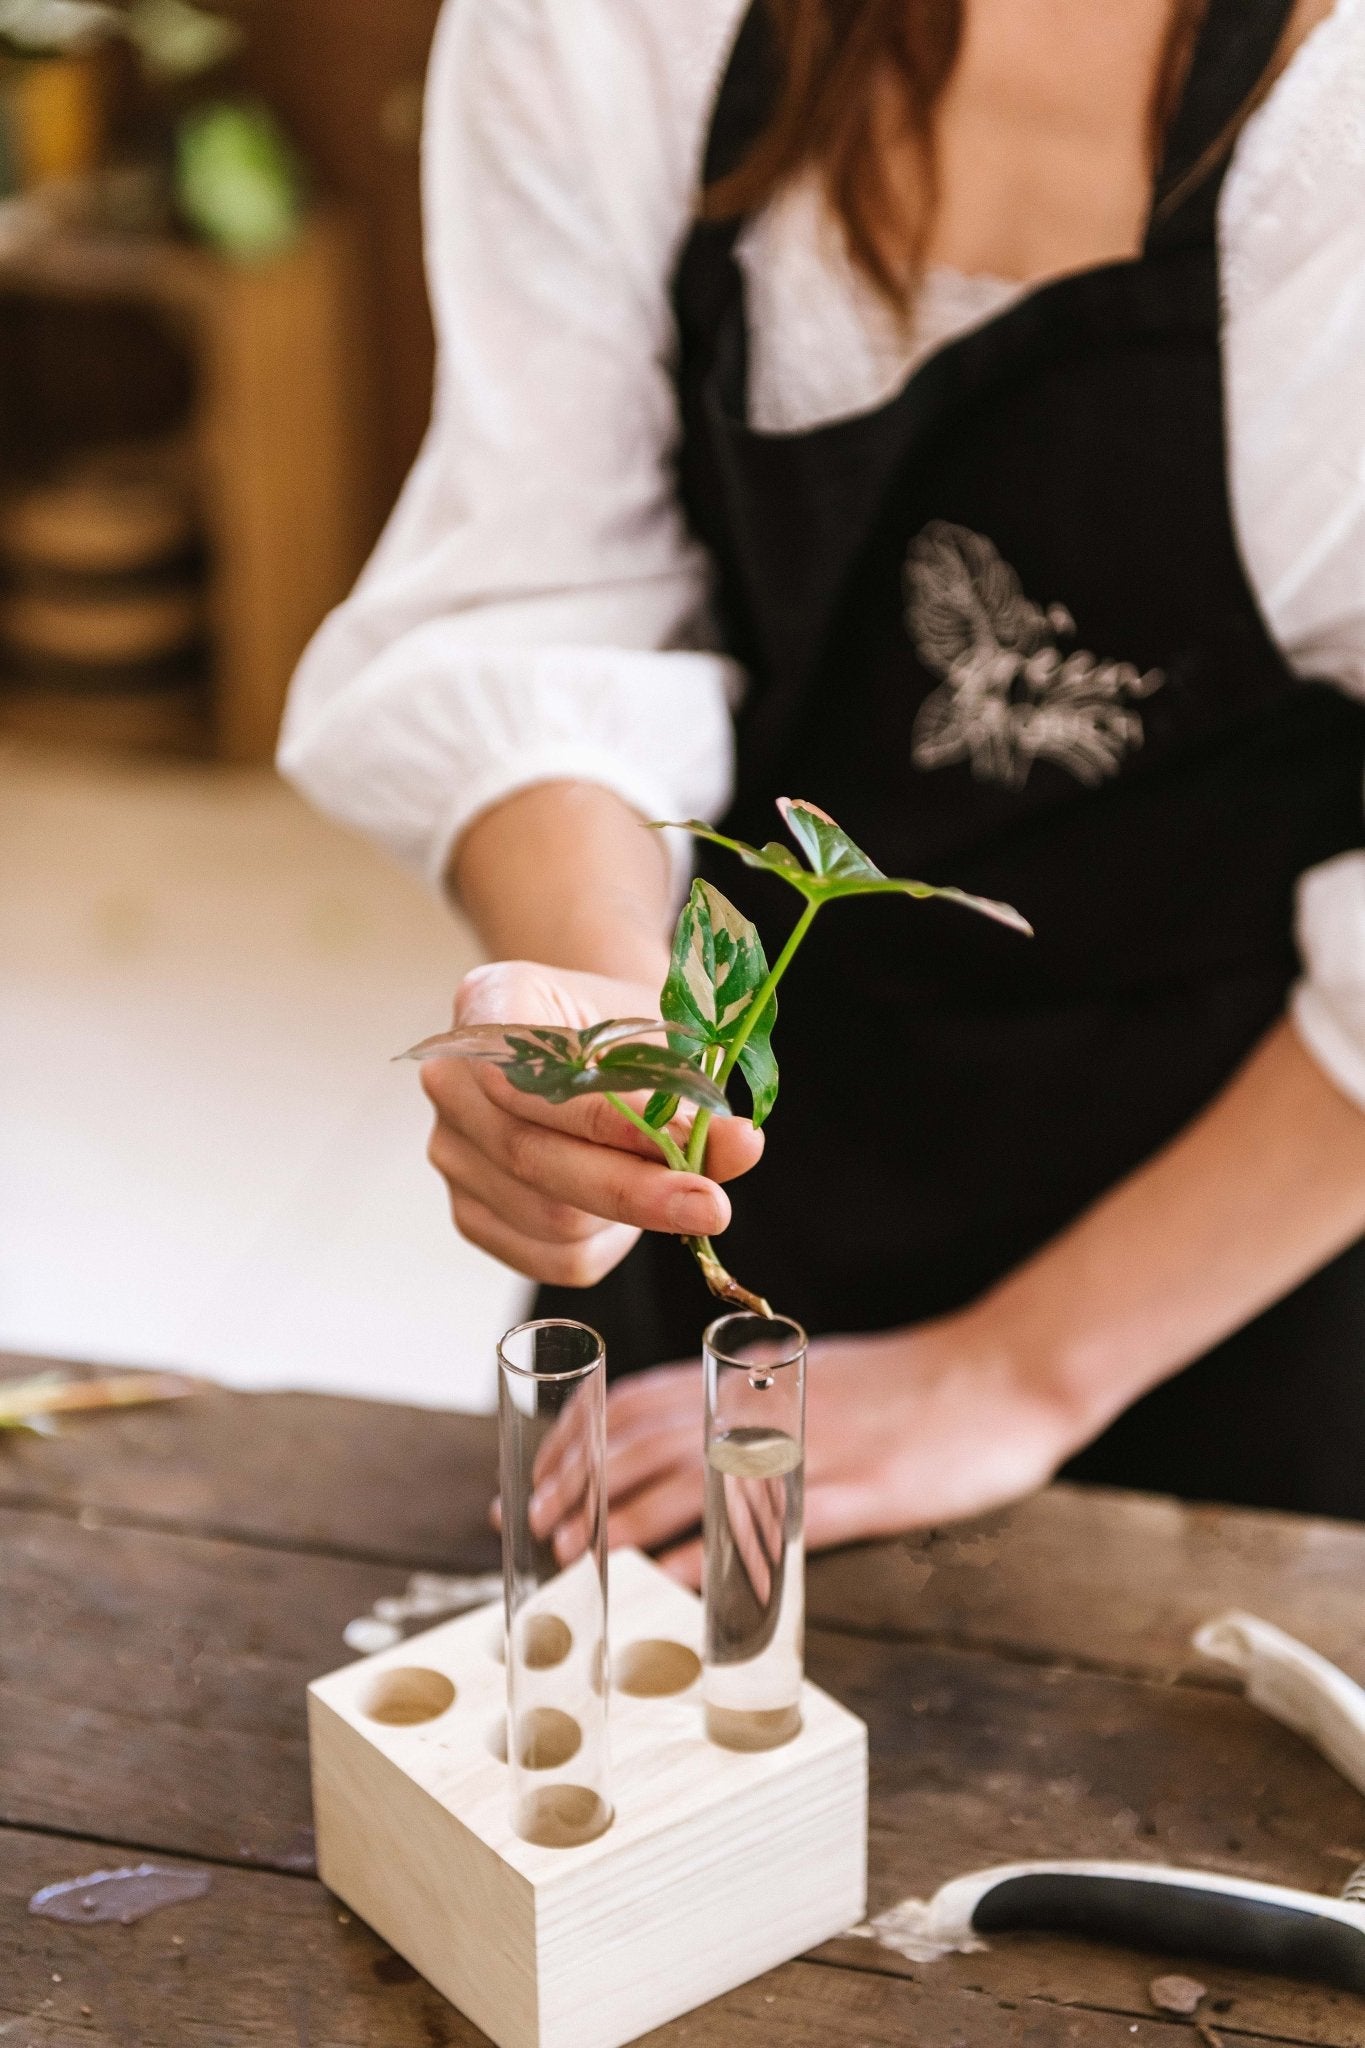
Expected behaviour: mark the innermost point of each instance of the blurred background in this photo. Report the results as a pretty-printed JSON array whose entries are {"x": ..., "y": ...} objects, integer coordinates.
[{"x": 215, "y": 366}]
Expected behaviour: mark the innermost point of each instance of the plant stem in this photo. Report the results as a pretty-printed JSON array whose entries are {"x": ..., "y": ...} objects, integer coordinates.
[
  {"x": 670, "y": 1148},
  {"x": 724, "y": 1285},
  {"x": 721, "y": 1283},
  {"x": 696, "y": 1147}
]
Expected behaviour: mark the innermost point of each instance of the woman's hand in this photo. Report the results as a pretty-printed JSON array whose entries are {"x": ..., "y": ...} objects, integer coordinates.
[
  {"x": 903, "y": 1430},
  {"x": 561, "y": 1194}
]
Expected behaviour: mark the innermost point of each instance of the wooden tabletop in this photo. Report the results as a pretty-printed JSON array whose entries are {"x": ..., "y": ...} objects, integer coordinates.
[{"x": 171, "y": 1578}]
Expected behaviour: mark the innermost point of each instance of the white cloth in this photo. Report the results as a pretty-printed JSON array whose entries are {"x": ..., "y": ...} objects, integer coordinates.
[{"x": 536, "y": 609}]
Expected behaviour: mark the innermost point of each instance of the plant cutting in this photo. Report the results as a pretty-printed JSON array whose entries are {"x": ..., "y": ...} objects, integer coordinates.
[{"x": 718, "y": 1007}]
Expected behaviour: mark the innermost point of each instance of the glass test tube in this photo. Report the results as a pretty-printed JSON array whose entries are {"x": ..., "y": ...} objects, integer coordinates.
[
  {"x": 755, "y": 1587},
  {"x": 552, "y": 1385}
]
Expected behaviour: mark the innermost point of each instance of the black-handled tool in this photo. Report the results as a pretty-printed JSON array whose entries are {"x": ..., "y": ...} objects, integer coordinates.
[
  {"x": 1213, "y": 1914},
  {"x": 1151, "y": 1905}
]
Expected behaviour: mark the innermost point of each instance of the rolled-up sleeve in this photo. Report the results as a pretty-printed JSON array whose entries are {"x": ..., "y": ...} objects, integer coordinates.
[
  {"x": 536, "y": 609},
  {"x": 1293, "y": 232},
  {"x": 1328, "y": 1004}
]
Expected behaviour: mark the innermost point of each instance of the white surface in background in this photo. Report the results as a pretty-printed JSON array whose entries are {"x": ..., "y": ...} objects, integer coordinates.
[{"x": 206, "y": 1159}]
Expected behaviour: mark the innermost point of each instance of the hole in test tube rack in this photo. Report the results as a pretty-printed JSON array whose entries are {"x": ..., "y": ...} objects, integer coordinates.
[
  {"x": 544, "y": 1641},
  {"x": 495, "y": 1738},
  {"x": 562, "y": 1816},
  {"x": 751, "y": 1728},
  {"x": 407, "y": 1695},
  {"x": 547, "y": 1738},
  {"x": 656, "y": 1669}
]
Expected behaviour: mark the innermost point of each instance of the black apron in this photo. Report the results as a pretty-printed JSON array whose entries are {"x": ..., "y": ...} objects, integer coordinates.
[{"x": 1000, "y": 628}]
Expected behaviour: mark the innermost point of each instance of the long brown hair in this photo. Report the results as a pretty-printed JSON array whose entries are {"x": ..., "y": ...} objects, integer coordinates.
[{"x": 857, "y": 73}]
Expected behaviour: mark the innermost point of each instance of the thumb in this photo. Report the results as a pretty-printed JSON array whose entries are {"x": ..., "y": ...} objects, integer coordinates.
[{"x": 733, "y": 1147}]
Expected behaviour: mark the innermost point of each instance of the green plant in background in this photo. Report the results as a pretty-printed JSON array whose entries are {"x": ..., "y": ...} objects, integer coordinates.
[
  {"x": 718, "y": 1008},
  {"x": 238, "y": 180}
]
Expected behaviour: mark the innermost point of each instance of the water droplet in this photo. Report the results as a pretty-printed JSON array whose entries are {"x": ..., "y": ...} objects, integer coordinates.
[{"x": 125, "y": 1895}]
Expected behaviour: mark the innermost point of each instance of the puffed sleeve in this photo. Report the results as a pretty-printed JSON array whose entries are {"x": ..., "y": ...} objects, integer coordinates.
[
  {"x": 1293, "y": 230},
  {"x": 535, "y": 609}
]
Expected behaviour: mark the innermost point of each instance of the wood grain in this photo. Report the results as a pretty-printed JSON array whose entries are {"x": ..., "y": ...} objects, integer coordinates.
[
  {"x": 174, "y": 1576},
  {"x": 1080, "y": 1576},
  {"x": 717, "y": 1866},
  {"x": 1117, "y": 1580},
  {"x": 307, "y": 1471},
  {"x": 266, "y": 1961},
  {"x": 154, "y": 1687}
]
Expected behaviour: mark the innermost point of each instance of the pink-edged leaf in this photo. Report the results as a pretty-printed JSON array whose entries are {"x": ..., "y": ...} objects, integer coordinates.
[{"x": 560, "y": 1063}]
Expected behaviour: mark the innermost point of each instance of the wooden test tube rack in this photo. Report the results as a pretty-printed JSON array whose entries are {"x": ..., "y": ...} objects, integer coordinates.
[{"x": 717, "y": 1866}]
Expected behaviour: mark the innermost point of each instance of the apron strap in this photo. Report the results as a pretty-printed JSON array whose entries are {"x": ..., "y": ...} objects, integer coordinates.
[
  {"x": 1236, "y": 46},
  {"x": 747, "y": 94}
]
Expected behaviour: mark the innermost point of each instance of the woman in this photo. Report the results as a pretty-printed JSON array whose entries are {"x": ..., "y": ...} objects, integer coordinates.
[{"x": 994, "y": 442}]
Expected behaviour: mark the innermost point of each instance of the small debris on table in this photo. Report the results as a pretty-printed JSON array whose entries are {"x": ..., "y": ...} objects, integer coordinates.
[
  {"x": 31, "y": 1403},
  {"x": 1177, "y": 1994},
  {"x": 123, "y": 1895},
  {"x": 428, "y": 1596}
]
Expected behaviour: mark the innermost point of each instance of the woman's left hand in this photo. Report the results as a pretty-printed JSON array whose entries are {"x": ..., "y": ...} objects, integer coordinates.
[{"x": 904, "y": 1429}]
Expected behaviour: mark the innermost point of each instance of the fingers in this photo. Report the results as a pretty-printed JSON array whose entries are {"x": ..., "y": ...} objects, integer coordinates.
[
  {"x": 559, "y": 1191},
  {"x": 605, "y": 1181},
  {"x": 669, "y": 1508},
  {"x": 579, "y": 1264},
  {"x": 653, "y": 1469},
  {"x": 653, "y": 1428},
  {"x": 733, "y": 1146},
  {"x": 644, "y": 1400},
  {"x": 591, "y": 1117},
  {"x": 637, "y": 1461},
  {"x": 535, "y": 1215}
]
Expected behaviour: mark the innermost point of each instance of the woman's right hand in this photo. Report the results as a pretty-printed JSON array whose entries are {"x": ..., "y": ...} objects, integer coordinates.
[{"x": 561, "y": 1193}]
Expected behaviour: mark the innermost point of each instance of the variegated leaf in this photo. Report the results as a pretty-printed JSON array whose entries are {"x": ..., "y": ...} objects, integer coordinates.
[
  {"x": 718, "y": 966},
  {"x": 839, "y": 867},
  {"x": 559, "y": 1063}
]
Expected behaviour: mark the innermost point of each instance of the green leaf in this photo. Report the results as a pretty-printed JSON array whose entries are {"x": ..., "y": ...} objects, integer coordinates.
[
  {"x": 777, "y": 859},
  {"x": 628, "y": 1067},
  {"x": 559, "y": 1064},
  {"x": 718, "y": 966},
  {"x": 660, "y": 1110},
  {"x": 758, "y": 1064},
  {"x": 838, "y": 867},
  {"x": 829, "y": 851}
]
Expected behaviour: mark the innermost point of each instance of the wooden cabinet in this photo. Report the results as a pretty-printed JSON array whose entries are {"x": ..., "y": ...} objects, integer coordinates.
[
  {"x": 346, "y": 76},
  {"x": 274, "y": 412}
]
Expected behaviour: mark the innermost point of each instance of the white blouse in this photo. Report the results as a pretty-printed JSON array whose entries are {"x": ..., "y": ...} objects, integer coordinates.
[{"x": 536, "y": 610}]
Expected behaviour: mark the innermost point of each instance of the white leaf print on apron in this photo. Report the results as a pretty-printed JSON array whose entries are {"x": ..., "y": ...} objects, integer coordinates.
[{"x": 1009, "y": 695}]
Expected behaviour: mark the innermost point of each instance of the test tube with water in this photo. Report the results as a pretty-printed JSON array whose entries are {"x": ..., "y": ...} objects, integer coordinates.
[
  {"x": 552, "y": 1411},
  {"x": 753, "y": 1523}
]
